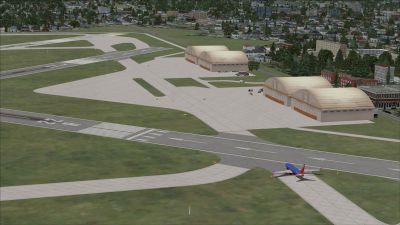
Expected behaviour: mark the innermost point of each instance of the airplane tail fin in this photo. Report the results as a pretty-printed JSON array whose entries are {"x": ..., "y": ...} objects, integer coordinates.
[{"x": 302, "y": 170}]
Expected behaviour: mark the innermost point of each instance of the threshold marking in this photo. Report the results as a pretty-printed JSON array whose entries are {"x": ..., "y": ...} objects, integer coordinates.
[
  {"x": 257, "y": 150},
  {"x": 181, "y": 139},
  {"x": 323, "y": 159},
  {"x": 140, "y": 134}
]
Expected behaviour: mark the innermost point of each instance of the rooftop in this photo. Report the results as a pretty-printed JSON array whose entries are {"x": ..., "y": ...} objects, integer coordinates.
[{"x": 382, "y": 89}]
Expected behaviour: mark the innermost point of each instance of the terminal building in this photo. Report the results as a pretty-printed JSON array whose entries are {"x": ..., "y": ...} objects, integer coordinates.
[
  {"x": 223, "y": 61},
  {"x": 280, "y": 89},
  {"x": 333, "y": 104},
  {"x": 192, "y": 53}
]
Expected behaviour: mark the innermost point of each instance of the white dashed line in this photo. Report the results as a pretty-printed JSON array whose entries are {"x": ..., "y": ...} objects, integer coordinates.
[
  {"x": 323, "y": 159},
  {"x": 398, "y": 170},
  {"x": 180, "y": 139},
  {"x": 257, "y": 150}
]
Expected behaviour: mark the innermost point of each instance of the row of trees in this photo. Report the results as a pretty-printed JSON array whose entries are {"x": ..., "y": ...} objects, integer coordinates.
[{"x": 298, "y": 62}]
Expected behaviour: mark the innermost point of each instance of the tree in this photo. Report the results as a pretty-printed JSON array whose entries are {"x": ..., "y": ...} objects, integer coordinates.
[
  {"x": 253, "y": 65},
  {"x": 397, "y": 66},
  {"x": 385, "y": 58},
  {"x": 370, "y": 62},
  {"x": 74, "y": 23},
  {"x": 339, "y": 60},
  {"x": 351, "y": 60},
  {"x": 323, "y": 57},
  {"x": 344, "y": 40},
  {"x": 157, "y": 20},
  {"x": 196, "y": 26},
  {"x": 273, "y": 48}
]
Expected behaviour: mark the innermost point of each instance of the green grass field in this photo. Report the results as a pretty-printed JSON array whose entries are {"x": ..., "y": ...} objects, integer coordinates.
[
  {"x": 79, "y": 43},
  {"x": 15, "y": 39},
  {"x": 183, "y": 37},
  {"x": 124, "y": 46},
  {"x": 17, "y": 93},
  {"x": 12, "y": 59},
  {"x": 150, "y": 88},
  {"x": 378, "y": 196},
  {"x": 185, "y": 82},
  {"x": 382, "y": 127},
  {"x": 331, "y": 143},
  {"x": 46, "y": 156},
  {"x": 152, "y": 42},
  {"x": 252, "y": 198}
]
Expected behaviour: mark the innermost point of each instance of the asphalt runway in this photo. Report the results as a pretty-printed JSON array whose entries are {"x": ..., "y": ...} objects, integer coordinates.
[
  {"x": 117, "y": 55},
  {"x": 235, "y": 150}
]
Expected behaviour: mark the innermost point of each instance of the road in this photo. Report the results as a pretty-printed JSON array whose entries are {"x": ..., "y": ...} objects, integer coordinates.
[
  {"x": 117, "y": 55},
  {"x": 235, "y": 150}
]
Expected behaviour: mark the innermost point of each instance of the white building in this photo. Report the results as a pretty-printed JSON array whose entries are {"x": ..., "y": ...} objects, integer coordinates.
[{"x": 381, "y": 73}]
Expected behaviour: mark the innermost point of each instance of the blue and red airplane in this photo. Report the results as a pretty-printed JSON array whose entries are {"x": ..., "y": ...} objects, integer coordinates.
[{"x": 292, "y": 170}]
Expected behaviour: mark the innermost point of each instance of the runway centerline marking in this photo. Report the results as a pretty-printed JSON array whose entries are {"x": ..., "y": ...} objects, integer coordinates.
[
  {"x": 140, "y": 134},
  {"x": 181, "y": 139},
  {"x": 398, "y": 170},
  {"x": 257, "y": 150},
  {"x": 329, "y": 160}
]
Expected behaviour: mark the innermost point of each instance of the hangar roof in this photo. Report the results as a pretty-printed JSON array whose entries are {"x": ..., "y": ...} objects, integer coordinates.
[
  {"x": 197, "y": 50},
  {"x": 289, "y": 85},
  {"x": 334, "y": 98},
  {"x": 224, "y": 57}
]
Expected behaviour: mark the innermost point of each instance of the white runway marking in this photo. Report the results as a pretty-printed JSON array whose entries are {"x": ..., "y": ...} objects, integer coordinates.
[
  {"x": 323, "y": 159},
  {"x": 257, "y": 150},
  {"x": 140, "y": 134},
  {"x": 148, "y": 137},
  {"x": 398, "y": 170},
  {"x": 180, "y": 139}
]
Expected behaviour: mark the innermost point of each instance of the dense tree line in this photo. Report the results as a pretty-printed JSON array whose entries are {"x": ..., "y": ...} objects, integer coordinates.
[
  {"x": 19, "y": 13},
  {"x": 297, "y": 61}
]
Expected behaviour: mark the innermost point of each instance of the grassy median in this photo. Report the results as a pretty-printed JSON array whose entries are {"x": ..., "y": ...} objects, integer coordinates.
[
  {"x": 378, "y": 196},
  {"x": 12, "y": 59},
  {"x": 124, "y": 46},
  {"x": 17, "y": 93},
  {"x": 150, "y": 88},
  {"x": 382, "y": 127},
  {"x": 47, "y": 156},
  {"x": 185, "y": 82},
  {"x": 252, "y": 198},
  {"x": 331, "y": 143}
]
